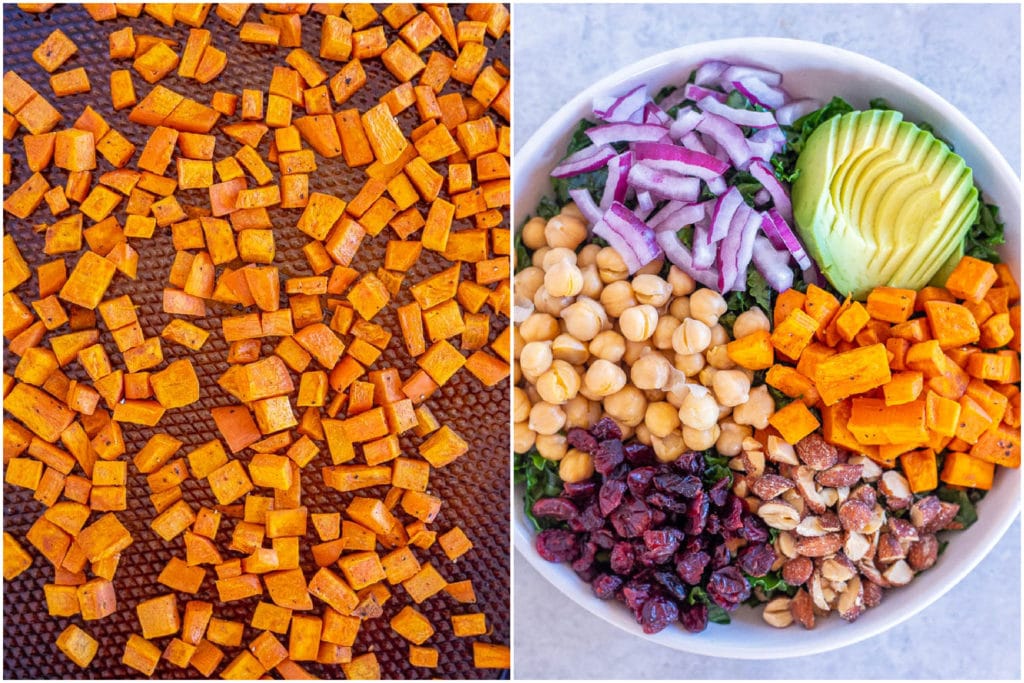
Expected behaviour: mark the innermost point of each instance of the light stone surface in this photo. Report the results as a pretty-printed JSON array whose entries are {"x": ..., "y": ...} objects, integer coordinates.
[{"x": 970, "y": 55}]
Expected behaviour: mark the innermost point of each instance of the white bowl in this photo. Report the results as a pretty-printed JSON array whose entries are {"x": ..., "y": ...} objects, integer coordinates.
[{"x": 819, "y": 71}]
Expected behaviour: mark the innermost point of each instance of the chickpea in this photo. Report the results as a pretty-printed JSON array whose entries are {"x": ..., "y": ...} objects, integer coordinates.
[
  {"x": 523, "y": 437},
  {"x": 680, "y": 308},
  {"x": 626, "y": 406},
  {"x": 636, "y": 350},
  {"x": 661, "y": 418},
  {"x": 668, "y": 448},
  {"x": 699, "y": 410},
  {"x": 682, "y": 283},
  {"x": 587, "y": 256},
  {"x": 627, "y": 431},
  {"x": 544, "y": 302},
  {"x": 690, "y": 363},
  {"x": 718, "y": 358},
  {"x": 592, "y": 285},
  {"x": 707, "y": 305},
  {"x": 609, "y": 345},
  {"x": 528, "y": 281},
  {"x": 538, "y": 257},
  {"x": 611, "y": 266},
  {"x": 749, "y": 322},
  {"x": 584, "y": 319},
  {"x": 563, "y": 279},
  {"x": 678, "y": 395},
  {"x": 724, "y": 412},
  {"x": 565, "y": 231},
  {"x": 692, "y": 336},
  {"x": 551, "y": 446},
  {"x": 520, "y": 405},
  {"x": 651, "y": 371},
  {"x": 638, "y": 322},
  {"x": 643, "y": 434},
  {"x": 662, "y": 337},
  {"x": 558, "y": 255},
  {"x": 730, "y": 441},
  {"x": 535, "y": 358},
  {"x": 531, "y": 393},
  {"x": 546, "y": 418},
  {"x": 604, "y": 378},
  {"x": 559, "y": 384},
  {"x": 652, "y": 268},
  {"x": 576, "y": 466},
  {"x": 616, "y": 297},
  {"x": 719, "y": 335},
  {"x": 654, "y": 395},
  {"x": 651, "y": 289},
  {"x": 533, "y": 233},
  {"x": 522, "y": 309},
  {"x": 581, "y": 412},
  {"x": 571, "y": 350},
  {"x": 731, "y": 387},
  {"x": 517, "y": 341},
  {"x": 570, "y": 210},
  {"x": 758, "y": 407},
  {"x": 700, "y": 440},
  {"x": 538, "y": 327},
  {"x": 707, "y": 375}
]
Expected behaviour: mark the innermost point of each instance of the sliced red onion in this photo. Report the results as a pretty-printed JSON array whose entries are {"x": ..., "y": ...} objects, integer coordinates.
[
  {"x": 675, "y": 98},
  {"x": 692, "y": 140},
  {"x": 586, "y": 160},
  {"x": 742, "y": 73},
  {"x": 686, "y": 120},
  {"x": 717, "y": 186},
  {"x": 622, "y": 108},
  {"x": 766, "y": 176},
  {"x": 697, "y": 93},
  {"x": 758, "y": 92},
  {"x": 663, "y": 184},
  {"x": 788, "y": 113},
  {"x": 814, "y": 276},
  {"x": 741, "y": 117},
  {"x": 737, "y": 249},
  {"x": 619, "y": 244},
  {"x": 639, "y": 238},
  {"x": 704, "y": 249},
  {"x": 684, "y": 161},
  {"x": 677, "y": 215},
  {"x": 789, "y": 239},
  {"x": 644, "y": 204},
  {"x": 761, "y": 197},
  {"x": 709, "y": 73},
  {"x": 722, "y": 215},
  {"x": 586, "y": 204},
  {"x": 625, "y": 132},
  {"x": 616, "y": 187},
  {"x": 678, "y": 254},
  {"x": 773, "y": 264},
  {"x": 654, "y": 114},
  {"x": 729, "y": 137},
  {"x": 772, "y": 134}
]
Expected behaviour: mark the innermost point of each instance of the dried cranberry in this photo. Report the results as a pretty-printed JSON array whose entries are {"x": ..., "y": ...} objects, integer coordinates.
[
  {"x": 557, "y": 545},
  {"x": 690, "y": 462},
  {"x": 719, "y": 493},
  {"x": 714, "y": 524},
  {"x": 622, "y": 557},
  {"x": 685, "y": 486},
  {"x": 580, "y": 489},
  {"x": 604, "y": 539},
  {"x": 696, "y": 515},
  {"x": 727, "y": 587},
  {"x": 635, "y": 594},
  {"x": 605, "y": 586},
  {"x": 586, "y": 559},
  {"x": 657, "y": 613},
  {"x": 631, "y": 519},
  {"x": 671, "y": 583},
  {"x": 606, "y": 428},
  {"x": 610, "y": 495},
  {"x": 694, "y": 618},
  {"x": 639, "y": 480},
  {"x": 589, "y": 574},
  {"x": 756, "y": 559},
  {"x": 732, "y": 518},
  {"x": 660, "y": 545},
  {"x": 690, "y": 566},
  {"x": 754, "y": 530},
  {"x": 720, "y": 556},
  {"x": 590, "y": 519},
  {"x": 581, "y": 439},
  {"x": 608, "y": 456},
  {"x": 639, "y": 454},
  {"x": 561, "y": 509},
  {"x": 665, "y": 501},
  {"x": 658, "y": 518}
]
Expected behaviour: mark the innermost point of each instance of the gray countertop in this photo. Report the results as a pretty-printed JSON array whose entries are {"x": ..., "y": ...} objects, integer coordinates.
[{"x": 968, "y": 54}]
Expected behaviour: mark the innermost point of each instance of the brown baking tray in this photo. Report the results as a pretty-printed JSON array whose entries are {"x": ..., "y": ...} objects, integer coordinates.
[{"x": 475, "y": 489}]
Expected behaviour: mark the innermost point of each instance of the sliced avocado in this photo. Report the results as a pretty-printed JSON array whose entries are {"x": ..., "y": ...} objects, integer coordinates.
[{"x": 879, "y": 201}]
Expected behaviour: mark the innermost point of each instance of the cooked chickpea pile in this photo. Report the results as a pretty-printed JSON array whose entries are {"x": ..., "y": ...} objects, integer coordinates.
[{"x": 649, "y": 352}]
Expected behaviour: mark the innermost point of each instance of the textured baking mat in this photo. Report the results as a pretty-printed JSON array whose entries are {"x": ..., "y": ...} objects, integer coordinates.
[{"x": 475, "y": 489}]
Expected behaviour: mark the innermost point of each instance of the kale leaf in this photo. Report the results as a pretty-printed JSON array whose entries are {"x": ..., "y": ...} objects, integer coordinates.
[
  {"x": 540, "y": 479},
  {"x": 966, "y": 499},
  {"x": 985, "y": 235},
  {"x": 716, "y": 468},
  {"x": 797, "y": 134}
]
